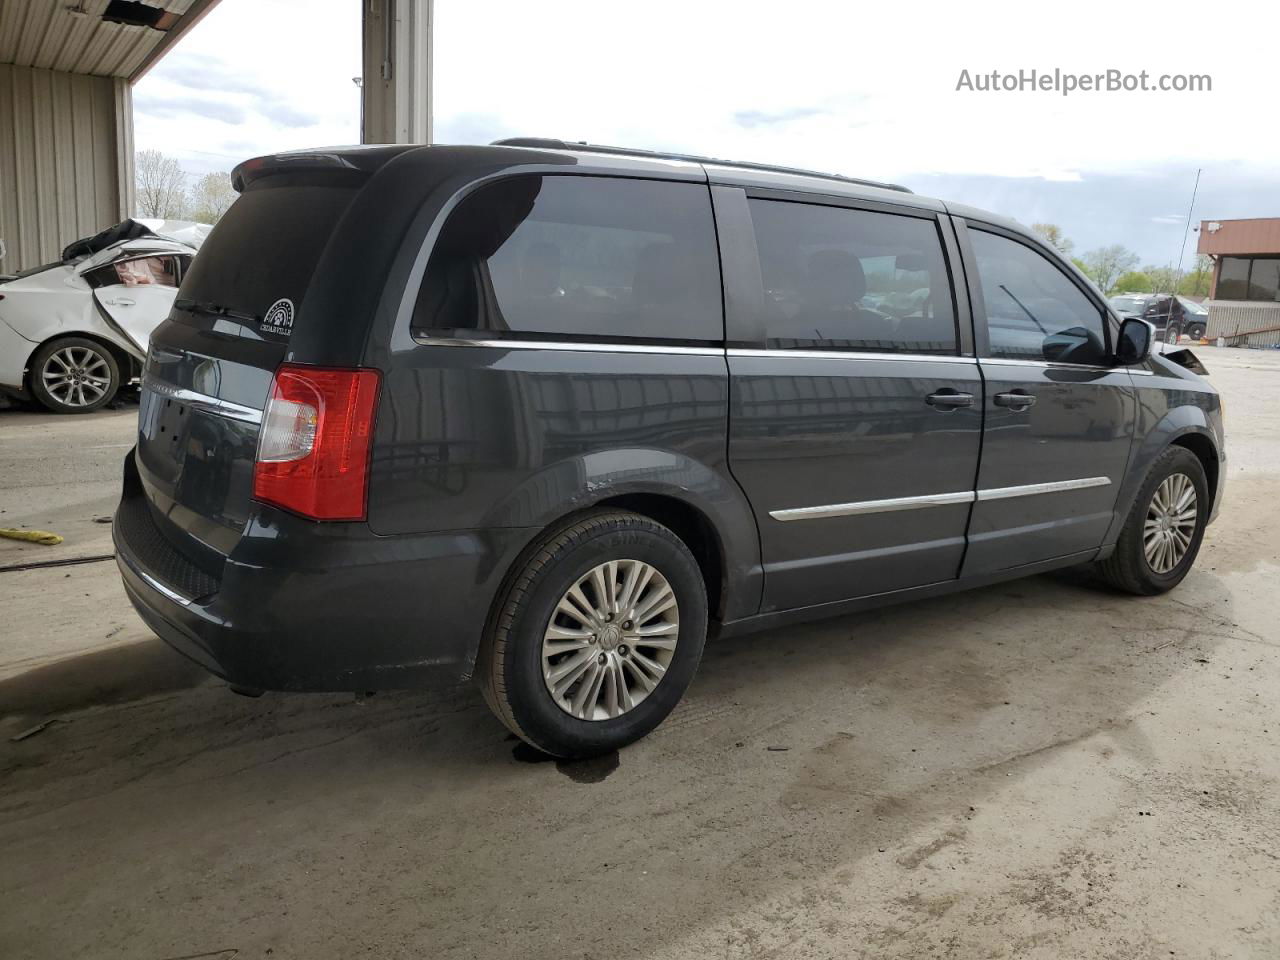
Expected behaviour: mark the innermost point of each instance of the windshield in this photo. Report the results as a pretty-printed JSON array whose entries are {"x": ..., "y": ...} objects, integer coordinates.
[
  {"x": 1192, "y": 307},
  {"x": 1131, "y": 305}
]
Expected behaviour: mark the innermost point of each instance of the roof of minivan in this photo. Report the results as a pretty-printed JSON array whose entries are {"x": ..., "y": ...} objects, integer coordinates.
[{"x": 367, "y": 159}]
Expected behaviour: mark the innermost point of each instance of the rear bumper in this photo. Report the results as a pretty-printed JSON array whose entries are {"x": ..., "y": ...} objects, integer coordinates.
[{"x": 302, "y": 609}]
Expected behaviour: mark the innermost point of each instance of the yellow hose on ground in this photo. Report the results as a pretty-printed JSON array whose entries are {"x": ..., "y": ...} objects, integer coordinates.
[{"x": 35, "y": 536}]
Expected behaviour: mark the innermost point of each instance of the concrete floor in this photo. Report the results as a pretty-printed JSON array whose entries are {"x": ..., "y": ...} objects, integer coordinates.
[{"x": 1043, "y": 769}]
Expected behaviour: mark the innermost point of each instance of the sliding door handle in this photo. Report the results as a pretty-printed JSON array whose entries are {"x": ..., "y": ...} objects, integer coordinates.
[
  {"x": 1017, "y": 400},
  {"x": 949, "y": 399}
]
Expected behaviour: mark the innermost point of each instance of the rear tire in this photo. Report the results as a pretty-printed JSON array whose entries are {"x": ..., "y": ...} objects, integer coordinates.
[
  {"x": 623, "y": 676},
  {"x": 74, "y": 375},
  {"x": 1171, "y": 333},
  {"x": 1141, "y": 564}
]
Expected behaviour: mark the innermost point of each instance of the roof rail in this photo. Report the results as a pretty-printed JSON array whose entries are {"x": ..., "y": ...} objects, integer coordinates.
[{"x": 547, "y": 143}]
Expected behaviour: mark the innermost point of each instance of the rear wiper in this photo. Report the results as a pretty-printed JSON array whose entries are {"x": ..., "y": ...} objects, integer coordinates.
[{"x": 213, "y": 309}]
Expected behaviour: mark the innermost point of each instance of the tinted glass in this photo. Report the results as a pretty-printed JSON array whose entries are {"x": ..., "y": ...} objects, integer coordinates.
[
  {"x": 1233, "y": 279},
  {"x": 1264, "y": 280},
  {"x": 584, "y": 257},
  {"x": 1034, "y": 311},
  {"x": 266, "y": 246},
  {"x": 841, "y": 279}
]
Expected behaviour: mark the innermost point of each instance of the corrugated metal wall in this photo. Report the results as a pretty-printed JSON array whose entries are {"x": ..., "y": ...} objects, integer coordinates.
[
  {"x": 62, "y": 137},
  {"x": 1244, "y": 323}
]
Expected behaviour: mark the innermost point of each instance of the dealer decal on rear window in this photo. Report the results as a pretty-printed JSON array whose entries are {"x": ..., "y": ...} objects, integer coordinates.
[{"x": 278, "y": 318}]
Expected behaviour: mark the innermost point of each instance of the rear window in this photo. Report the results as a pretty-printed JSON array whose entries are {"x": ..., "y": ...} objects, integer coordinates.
[
  {"x": 265, "y": 248},
  {"x": 580, "y": 257}
]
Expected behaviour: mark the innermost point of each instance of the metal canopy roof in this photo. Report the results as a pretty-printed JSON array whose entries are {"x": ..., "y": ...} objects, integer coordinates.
[{"x": 72, "y": 36}]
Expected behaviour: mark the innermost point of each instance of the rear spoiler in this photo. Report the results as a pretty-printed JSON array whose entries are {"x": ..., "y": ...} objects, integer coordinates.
[{"x": 361, "y": 161}]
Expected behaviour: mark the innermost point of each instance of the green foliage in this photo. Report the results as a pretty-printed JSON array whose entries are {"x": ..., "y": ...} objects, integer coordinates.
[
  {"x": 211, "y": 196},
  {"x": 1135, "y": 281},
  {"x": 1195, "y": 282},
  {"x": 1107, "y": 264}
]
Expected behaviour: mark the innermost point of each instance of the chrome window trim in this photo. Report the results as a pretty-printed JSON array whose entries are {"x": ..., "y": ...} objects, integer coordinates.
[
  {"x": 566, "y": 345},
  {"x": 1032, "y": 489},
  {"x": 202, "y": 401},
  {"x": 1010, "y": 362},
  {"x": 847, "y": 355},
  {"x": 866, "y": 507}
]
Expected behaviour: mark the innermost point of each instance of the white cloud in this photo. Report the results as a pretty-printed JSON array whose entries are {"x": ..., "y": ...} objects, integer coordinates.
[
  {"x": 254, "y": 77},
  {"x": 862, "y": 89}
]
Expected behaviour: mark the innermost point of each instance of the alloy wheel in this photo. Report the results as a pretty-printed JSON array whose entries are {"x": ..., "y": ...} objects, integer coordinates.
[
  {"x": 1170, "y": 524},
  {"x": 76, "y": 376},
  {"x": 610, "y": 640}
]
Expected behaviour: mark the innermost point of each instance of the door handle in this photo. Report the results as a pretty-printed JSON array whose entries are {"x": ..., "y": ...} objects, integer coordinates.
[
  {"x": 121, "y": 302},
  {"x": 949, "y": 399},
  {"x": 1017, "y": 400}
]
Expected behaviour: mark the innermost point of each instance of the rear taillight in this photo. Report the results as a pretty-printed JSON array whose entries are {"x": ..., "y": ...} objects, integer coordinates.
[{"x": 313, "y": 449}]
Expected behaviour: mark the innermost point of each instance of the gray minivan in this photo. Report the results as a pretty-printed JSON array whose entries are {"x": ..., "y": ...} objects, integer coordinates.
[{"x": 546, "y": 415}]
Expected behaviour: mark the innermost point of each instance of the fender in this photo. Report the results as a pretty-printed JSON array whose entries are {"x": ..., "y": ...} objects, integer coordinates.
[
  {"x": 578, "y": 483},
  {"x": 1148, "y": 445}
]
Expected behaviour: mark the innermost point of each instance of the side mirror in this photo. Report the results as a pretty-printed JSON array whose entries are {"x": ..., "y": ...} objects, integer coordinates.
[{"x": 1134, "y": 343}]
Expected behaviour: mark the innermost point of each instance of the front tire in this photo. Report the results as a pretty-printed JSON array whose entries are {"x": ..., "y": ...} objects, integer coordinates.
[
  {"x": 598, "y": 636},
  {"x": 74, "y": 375},
  {"x": 1162, "y": 534}
]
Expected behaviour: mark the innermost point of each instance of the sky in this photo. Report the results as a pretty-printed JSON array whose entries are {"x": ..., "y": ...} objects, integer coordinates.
[{"x": 867, "y": 90}]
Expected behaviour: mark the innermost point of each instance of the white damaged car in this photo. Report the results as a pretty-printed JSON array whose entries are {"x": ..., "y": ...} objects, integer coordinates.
[{"x": 73, "y": 332}]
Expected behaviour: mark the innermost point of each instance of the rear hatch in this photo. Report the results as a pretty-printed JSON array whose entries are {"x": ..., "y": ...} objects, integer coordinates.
[{"x": 210, "y": 365}]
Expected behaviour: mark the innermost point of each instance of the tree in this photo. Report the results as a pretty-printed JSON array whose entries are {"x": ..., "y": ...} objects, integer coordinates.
[
  {"x": 161, "y": 186},
  {"x": 1161, "y": 278},
  {"x": 1082, "y": 267},
  {"x": 1195, "y": 282},
  {"x": 1135, "y": 281},
  {"x": 211, "y": 196},
  {"x": 1106, "y": 264},
  {"x": 1054, "y": 236}
]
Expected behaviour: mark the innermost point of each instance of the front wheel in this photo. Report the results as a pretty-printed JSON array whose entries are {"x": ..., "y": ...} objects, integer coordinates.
[
  {"x": 74, "y": 375},
  {"x": 598, "y": 636},
  {"x": 1162, "y": 534},
  {"x": 1196, "y": 331}
]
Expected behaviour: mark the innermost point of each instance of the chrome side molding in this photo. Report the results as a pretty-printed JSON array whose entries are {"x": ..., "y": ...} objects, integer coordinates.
[
  {"x": 1032, "y": 489},
  {"x": 873, "y": 506},
  {"x": 934, "y": 500}
]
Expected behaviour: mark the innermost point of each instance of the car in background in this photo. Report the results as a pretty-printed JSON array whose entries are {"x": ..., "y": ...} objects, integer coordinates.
[
  {"x": 74, "y": 331},
  {"x": 1171, "y": 316}
]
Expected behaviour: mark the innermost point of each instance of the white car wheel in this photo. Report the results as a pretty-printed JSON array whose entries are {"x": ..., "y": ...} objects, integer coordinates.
[{"x": 74, "y": 375}]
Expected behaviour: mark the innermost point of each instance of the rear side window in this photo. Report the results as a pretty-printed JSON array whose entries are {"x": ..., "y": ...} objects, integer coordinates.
[
  {"x": 266, "y": 246},
  {"x": 1034, "y": 311},
  {"x": 842, "y": 279},
  {"x": 580, "y": 257}
]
